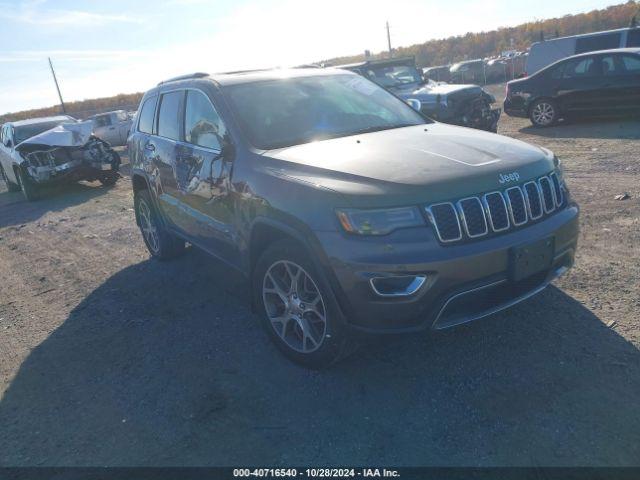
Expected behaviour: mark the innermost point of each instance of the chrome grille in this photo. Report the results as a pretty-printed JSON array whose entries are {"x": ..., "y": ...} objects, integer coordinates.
[
  {"x": 547, "y": 194},
  {"x": 472, "y": 216},
  {"x": 517, "y": 207},
  {"x": 534, "y": 202},
  {"x": 493, "y": 212},
  {"x": 444, "y": 218},
  {"x": 496, "y": 209},
  {"x": 557, "y": 189}
]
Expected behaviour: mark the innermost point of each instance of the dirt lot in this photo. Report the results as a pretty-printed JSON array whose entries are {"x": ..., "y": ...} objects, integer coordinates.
[{"x": 109, "y": 358}]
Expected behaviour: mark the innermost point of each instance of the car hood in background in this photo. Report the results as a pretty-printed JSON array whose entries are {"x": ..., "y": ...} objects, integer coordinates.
[
  {"x": 65, "y": 135},
  {"x": 431, "y": 162},
  {"x": 430, "y": 93}
]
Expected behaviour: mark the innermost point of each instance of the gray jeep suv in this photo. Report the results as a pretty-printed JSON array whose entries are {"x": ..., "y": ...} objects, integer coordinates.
[{"x": 348, "y": 210}]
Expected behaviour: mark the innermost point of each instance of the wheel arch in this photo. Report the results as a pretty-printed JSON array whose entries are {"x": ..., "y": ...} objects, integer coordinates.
[
  {"x": 265, "y": 231},
  {"x": 139, "y": 182},
  {"x": 552, "y": 100}
]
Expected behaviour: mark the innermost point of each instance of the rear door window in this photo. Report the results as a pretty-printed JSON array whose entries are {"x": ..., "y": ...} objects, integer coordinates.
[
  {"x": 99, "y": 121},
  {"x": 145, "y": 124},
  {"x": 169, "y": 116},
  {"x": 582, "y": 68}
]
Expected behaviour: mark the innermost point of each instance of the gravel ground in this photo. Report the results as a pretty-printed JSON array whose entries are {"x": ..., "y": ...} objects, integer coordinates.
[{"x": 110, "y": 358}]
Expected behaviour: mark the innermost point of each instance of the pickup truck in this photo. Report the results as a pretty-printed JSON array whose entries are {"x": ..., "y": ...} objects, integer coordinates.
[{"x": 112, "y": 127}]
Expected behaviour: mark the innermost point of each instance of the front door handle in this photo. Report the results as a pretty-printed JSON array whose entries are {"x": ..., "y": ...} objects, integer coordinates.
[{"x": 150, "y": 147}]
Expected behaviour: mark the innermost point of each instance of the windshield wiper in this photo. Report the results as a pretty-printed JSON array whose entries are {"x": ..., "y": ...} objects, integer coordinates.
[{"x": 379, "y": 128}]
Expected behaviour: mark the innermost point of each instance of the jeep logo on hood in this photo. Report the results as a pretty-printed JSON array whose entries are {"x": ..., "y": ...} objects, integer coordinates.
[{"x": 508, "y": 177}]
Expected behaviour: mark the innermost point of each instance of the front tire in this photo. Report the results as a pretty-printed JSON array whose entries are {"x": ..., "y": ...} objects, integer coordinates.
[
  {"x": 12, "y": 187},
  {"x": 161, "y": 244},
  {"x": 543, "y": 113},
  {"x": 297, "y": 308},
  {"x": 30, "y": 189}
]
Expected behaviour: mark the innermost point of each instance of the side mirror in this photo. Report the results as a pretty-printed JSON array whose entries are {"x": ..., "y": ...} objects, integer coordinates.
[
  {"x": 8, "y": 143},
  {"x": 228, "y": 149},
  {"x": 415, "y": 104}
]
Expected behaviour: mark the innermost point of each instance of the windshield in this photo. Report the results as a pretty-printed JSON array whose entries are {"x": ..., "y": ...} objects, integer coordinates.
[
  {"x": 287, "y": 112},
  {"x": 393, "y": 75},
  {"x": 25, "y": 132}
]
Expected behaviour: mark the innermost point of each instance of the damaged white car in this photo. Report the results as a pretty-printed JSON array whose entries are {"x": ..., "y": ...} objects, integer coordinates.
[{"x": 42, "y": 151}]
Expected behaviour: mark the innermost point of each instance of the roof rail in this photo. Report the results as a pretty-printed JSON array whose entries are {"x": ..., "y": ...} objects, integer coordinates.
[
  {"x": 184, "y": 77},
  {"x": 237, "y": 72}
]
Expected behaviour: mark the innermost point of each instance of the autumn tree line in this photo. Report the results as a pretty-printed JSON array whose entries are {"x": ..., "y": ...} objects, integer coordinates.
[{"x": 486, "y": 44}]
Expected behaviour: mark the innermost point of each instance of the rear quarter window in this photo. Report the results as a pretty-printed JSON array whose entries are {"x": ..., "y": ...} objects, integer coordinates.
[
  {"x": 631, "y": 64},
  {"x": 145, "y": 124},
  {"x": 633, "y": 38},
  {"x": 598, "y": 42}
]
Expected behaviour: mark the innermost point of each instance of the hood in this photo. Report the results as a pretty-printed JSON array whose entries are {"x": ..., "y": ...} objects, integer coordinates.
[
  {"x": 428, "y": 93},
  {"x": 425, "y": 163},
  {"x": 65, "y": 135}
]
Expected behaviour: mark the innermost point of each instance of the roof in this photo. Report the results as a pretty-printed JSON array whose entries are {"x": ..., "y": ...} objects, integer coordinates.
[
  {"x": 611, "y": 50},
  {"x": 35, "y": 121},
  {"x": 590, "y": 34},
  {"x": 105, "y": 113},
  {"x": 436, "y": 67},
  {"x": 250, "y": 76},
  {"x": 380, "y": 61}
]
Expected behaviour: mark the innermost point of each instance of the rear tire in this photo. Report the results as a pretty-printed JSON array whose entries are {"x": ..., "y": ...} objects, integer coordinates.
[
  {"x": 298, "y": 309},
  {"x": 12, "y": 187},
  {"x": 30, "y": 189},
  {"x": 161, "y": 244},
  {"x": 109, "y": 180},
  {"x": 543, "y": 113}
]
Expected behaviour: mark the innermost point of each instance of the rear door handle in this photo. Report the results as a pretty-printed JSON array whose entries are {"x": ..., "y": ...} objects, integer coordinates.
[{"x": 150, "y": 147}]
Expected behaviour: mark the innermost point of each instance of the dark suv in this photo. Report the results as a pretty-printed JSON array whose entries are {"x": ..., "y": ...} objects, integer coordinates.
[{"x": 348, "y": 210}]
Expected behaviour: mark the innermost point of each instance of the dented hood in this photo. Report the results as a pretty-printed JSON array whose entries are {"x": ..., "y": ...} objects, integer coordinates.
[
  {"x": 413, "y": 164},
  {"x": 65, "y": 135}
]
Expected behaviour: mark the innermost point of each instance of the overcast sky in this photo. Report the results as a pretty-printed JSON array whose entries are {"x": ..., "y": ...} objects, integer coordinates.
[{"x": 101, "y": 48}]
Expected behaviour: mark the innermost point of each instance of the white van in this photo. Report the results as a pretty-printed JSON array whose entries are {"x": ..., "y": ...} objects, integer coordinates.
[{"x": 549, "y": 51}]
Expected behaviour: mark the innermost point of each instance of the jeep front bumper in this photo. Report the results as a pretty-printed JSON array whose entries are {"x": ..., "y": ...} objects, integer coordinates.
[{"x": 461, "y": 283}]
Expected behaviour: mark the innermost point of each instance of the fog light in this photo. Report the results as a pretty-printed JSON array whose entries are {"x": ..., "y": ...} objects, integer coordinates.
[{"x": 397, "y": 286}]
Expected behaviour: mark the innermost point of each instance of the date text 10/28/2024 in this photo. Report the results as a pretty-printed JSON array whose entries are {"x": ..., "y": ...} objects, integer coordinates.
[{"x": 316, "y": 472}]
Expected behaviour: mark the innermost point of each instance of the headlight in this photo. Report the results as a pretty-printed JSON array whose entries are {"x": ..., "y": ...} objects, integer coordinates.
[{"x": 379, "y": 222}]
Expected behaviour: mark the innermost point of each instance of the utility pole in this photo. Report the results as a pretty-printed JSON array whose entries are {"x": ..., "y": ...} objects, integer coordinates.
[
  {"x": 53, "y": 72},
  {"x": 389, "y": 41}
]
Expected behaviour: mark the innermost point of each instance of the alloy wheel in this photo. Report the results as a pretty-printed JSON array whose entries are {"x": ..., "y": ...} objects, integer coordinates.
[
  {"x": 543, "y": 113},
  {"x": 148, "y": 227},
  {"x": 294, "y": 306}
]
